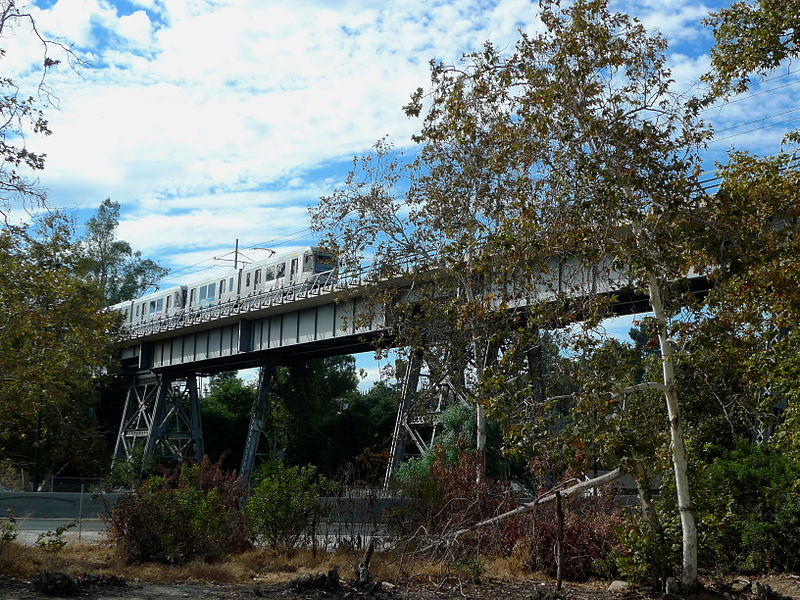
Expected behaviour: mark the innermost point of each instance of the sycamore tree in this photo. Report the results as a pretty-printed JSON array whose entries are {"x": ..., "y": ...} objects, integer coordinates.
[
  {"x": 754, "y": 243},
  {"x": 110, "y": 263},
  {"x": 55, "y": 345},
  {"x": 545, "y": 180},
  {"x": 22, "y": 115},
  {"x": 751, "y": 38}
]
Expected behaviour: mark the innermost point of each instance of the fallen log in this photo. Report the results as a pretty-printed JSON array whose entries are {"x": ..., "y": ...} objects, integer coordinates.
[{"x": 547, "y": 497}]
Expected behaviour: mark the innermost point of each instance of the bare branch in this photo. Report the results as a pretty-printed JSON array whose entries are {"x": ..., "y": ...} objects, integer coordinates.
[{"x": 574, "y": 490}]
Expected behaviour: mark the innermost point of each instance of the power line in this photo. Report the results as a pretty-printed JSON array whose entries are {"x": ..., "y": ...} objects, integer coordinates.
[
  {"x": 772, "y": 116},
  {"x": 763, "y": 127},
  {"x": 753, "y": 95}
]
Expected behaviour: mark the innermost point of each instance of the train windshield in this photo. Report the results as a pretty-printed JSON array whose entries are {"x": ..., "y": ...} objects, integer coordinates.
[{"x": 323, "y": 261}]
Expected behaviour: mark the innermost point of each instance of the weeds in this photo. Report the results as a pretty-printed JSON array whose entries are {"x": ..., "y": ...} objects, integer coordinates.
[
  {"x": 8, "y": 529},
  {"x": 52, "y": 541}
]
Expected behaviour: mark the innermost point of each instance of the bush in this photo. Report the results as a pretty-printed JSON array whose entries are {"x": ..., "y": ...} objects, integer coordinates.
[
  {"x": 284, "y": 505},
  {"x": 590, "y": 536},
  {"x": 192, "y": 512},
  {"x": 747, "y": 508},
  {"x": 642, "y": 556},
  {"x": 445, "y": 498}
]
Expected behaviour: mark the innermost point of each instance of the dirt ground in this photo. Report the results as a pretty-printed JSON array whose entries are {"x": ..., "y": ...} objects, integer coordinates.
[
  {"x": 785, "y": 585},
  {"x": 96, "y": 572}
]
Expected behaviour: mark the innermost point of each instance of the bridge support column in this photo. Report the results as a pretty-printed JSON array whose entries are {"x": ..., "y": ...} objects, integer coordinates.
[
  {"x": 161, "y": 415},
  {"x": 258, "y": 423},
  {"x": 401, "y": 425}
]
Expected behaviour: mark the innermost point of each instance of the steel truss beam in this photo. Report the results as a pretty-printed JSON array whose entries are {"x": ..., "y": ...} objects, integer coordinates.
[
  {"x": 258, "y": 423},
  {"x": 418, "y": 416},
  {"x": 161, "y": 417}
]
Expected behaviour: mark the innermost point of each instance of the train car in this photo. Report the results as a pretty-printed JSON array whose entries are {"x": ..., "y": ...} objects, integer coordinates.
[
  {"x": 299, "y": 267},
  {"x": 157, "y": 305},
  {"x": 273, "y": 273}
]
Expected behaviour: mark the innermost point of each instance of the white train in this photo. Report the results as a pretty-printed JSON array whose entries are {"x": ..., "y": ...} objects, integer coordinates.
[{"x": 289, "y": 269}]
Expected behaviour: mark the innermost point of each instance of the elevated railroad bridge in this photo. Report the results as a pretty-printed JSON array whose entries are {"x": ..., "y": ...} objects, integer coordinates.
[{"x": 162, "y": 359}]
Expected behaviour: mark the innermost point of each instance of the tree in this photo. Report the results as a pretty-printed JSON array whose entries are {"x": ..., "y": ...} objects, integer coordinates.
[
  {"x": 360, "y": 433},
  {"x": 118, "y": 271},
  {"x": 306, "y": 399},
  {"x": 21, "y": 116},
  {"x": 226, "y": 411},
  {"x": 543, "y": 179},
  {"x": 751, "y": 38},
  {"x": 55, "y": 343},
  {"x": 755, "y": 242}
]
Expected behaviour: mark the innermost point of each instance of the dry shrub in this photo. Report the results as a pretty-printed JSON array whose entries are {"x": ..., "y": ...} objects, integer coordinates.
[
  {"x": 192, "y": 512},
  {"x": 446, "y": 498},
  {"x": 590, "y": 534},
  {"x": 16, "y": 561}
]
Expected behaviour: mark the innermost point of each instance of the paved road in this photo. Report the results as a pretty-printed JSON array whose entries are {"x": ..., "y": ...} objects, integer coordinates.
[{"x": 89, "y": 531}]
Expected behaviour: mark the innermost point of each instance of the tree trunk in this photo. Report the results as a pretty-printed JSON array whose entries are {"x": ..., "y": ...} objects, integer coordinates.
[
  {"x": 660, "y": 570},
  {"x": 480, "y": 441},
  {"x": 559, "y": 542},
  {"x": 688, "y": 528}
]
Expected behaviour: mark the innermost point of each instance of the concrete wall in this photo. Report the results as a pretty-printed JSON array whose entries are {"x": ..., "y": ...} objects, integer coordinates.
[{"x": 55, "y": 505}]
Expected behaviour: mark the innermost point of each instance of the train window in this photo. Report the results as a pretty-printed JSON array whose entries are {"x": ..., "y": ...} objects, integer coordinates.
[
  {"x": 168, "y": 299},
  {"x": 221, "y": 287},
  {"x": 137, "y": 310},
  {"x": 258, "y": 277},
  {"x": 207, "y": 293},
  {"x": 230, "y": 284},
  {"x": 156, "y": 306},
  {"x": 269, "y": 273},
  {"x": 247, "y": 280},
  {"x": 308, "y": 262},
  {"x": 191, "y": 296},
  {"x": 281, "y": 271},
  {"x": 293, "y": 268}
]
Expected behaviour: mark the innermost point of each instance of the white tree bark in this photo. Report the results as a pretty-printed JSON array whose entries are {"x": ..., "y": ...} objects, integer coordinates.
[
  {"x": 480, "y": 441},
  {"x": 688, "y": 527}
]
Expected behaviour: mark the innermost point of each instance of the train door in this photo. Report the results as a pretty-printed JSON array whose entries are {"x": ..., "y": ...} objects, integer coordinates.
[{"x": 293, "y": 270}]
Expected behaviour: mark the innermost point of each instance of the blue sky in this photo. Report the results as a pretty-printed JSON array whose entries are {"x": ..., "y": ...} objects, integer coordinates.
[{"x": 212, "y": 120}]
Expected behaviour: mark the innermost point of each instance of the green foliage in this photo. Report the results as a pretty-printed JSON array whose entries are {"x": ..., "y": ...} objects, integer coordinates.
[
  {"x": 8, "y": 529},
  {"x": 360, "y": 434},
  {"x": 190, "y": 513},
  {"x": 126, "y": 474},
  {"x": 751, "y": 37},
  {"x": 55, "y": 346},
  {"x": 306, "y": 400},
  {"x": 641, "y": 555},
  {"x": 284, "y": 504},
  {"x": 119, "y": 272},
  {"x": 748, "y": 510},
  {"x": 226, "y": 412},
  {"x": 52, "y": 541}
]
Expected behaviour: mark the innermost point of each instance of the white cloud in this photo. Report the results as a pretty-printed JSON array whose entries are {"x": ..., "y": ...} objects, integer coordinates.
[
  {"x": 136, "y": 27},
  {"x": 211, "y": 120}
]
